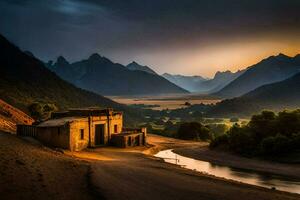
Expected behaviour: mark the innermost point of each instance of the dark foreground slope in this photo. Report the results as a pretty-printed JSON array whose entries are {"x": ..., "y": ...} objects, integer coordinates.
[
  {"x": 24, "y": 80},
  {"x": 277, "y": 96}
]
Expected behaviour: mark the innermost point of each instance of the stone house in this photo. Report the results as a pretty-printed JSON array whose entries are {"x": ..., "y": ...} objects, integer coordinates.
[{"x": 77, "y": 129}]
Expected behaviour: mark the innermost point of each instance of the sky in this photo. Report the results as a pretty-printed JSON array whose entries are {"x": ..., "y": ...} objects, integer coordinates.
[{"x": 189, "y": 37}]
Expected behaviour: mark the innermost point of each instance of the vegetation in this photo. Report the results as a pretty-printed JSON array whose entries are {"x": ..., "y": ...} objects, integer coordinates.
[
  {"x": 267, "y": 134},
  {"x": 193, "y": 131},
  {"x": 41, "y": 111}
]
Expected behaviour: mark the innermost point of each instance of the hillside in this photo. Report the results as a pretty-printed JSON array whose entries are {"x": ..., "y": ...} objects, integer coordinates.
[
  {"x": 10, "y": 116},
  {"x": 277, "y": 96},
  {"x": 134, "y": 66},
  {"x": 270, "y": 70},
  {"x": 24, "y": 80},
  {"x": 100, "y": 75},
  {"x": 189, "y": 83}
]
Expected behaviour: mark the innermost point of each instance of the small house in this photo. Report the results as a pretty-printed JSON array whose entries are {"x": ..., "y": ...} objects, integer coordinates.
[{"x": 77, "y": 129}]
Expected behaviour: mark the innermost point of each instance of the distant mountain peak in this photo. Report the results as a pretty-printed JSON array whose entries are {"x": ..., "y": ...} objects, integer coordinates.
[
  {"x": 95, "y": 56},
  {"x": 61, "y": 61},
  {"x": 133, "y": 63},
  {"x": 282, "y": 55},
  {"x": 134, "y": 66}
]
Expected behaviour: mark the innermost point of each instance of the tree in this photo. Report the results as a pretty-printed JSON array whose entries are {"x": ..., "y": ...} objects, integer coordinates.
[
  {"x": 41, "y": 111},
  {"x": 193, "y": 130}
]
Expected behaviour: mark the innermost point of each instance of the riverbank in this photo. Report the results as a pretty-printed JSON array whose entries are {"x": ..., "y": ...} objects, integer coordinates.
[{"x": 228, "y": 159}]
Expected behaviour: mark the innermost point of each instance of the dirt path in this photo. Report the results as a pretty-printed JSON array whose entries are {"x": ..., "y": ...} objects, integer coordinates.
[
  {"x": 31, "y": 171},
  {"x": 128, "y": 174}
]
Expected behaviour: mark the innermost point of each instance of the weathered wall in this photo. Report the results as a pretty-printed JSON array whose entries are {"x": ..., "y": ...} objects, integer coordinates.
[
  {"x": 76, "y": 143},
  {"x": 54, "y": 136},
  {"x": 128, "y": 140},
  {"x": 108, "y": 128},
  {"x": 95, "y": 121},
  {"x": 116, "y": 120}
]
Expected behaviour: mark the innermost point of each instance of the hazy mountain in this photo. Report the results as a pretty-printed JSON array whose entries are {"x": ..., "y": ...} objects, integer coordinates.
[
  {"x": 220, "y": 80},
  {"x": 280, "y": 95},
  {"x": 99, "y": 74},
  {"x": 135, "y": 66},
  {"x": 25, "y": 79},
  {"x": 189, "y": 83},
  {"x": 270, "y": 70}
]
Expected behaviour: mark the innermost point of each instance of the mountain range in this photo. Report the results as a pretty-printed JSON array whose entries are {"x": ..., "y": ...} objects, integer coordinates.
[
  {"x": 220, "y": 80},
  {"x": 25, "y": 80},
  {"x": 276, "y": 96},
  {"x": 190, "y": 83},
  {"x": 198, "y": 84},
  {"x": 101, "y": 75},
  {"x": 269, "y": 70}
]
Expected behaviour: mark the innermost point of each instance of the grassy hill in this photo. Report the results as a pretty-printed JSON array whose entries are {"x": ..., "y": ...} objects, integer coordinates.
[{"x": 25, "y": 79}]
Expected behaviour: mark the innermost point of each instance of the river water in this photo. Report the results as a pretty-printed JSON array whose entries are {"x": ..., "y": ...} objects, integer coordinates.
[{"x": 246, "y": 176}]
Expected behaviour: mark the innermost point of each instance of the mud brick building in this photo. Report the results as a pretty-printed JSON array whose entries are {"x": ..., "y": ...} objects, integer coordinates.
[{"x": 77, "y": 129}]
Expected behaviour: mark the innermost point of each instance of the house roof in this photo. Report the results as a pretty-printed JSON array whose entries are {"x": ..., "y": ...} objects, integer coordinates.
[{"x": 60, "y": 121}]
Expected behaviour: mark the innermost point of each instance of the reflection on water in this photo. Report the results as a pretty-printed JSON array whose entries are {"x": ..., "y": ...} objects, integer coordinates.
[{"x": 245, "y": 176}]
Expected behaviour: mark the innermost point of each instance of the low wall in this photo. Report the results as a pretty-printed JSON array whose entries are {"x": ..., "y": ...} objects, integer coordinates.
[
  {"x": 128, "y": 139},
  {"x": 27, "y": 130}
]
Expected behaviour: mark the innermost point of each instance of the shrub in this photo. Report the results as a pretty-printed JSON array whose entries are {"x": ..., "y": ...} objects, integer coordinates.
[
  {"x": 193, "y": 130},
  {"x": 217, "y": 130},
  {"x": 219, "y": 141},
  {"x": 41, "y": 111}
]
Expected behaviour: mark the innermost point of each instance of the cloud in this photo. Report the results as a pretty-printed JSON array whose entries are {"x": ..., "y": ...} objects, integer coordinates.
[{"x": 135, "y": 28}]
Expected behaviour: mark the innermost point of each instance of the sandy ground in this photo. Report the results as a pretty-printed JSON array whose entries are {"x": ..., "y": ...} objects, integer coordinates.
[
  {"x": 31, "y": 171},
  {"x": 224, "y": 158}
]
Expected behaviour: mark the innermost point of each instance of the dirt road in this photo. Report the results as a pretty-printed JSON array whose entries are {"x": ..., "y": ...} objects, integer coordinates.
[
  {"x": 31, "y": 171},
  {"x": 128, "y": 174}
]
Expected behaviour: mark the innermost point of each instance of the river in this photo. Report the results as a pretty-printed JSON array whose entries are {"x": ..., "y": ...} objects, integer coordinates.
[{"x": 245, "y": 176}]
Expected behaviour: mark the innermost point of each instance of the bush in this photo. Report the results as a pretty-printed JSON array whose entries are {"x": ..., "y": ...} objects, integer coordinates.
[
  {"x": 41, "y": 111},
  {"x": 217, "y": 130},
  {"x": 279, "y": 144},
  {"x": 193, "y": 130},
  {"x": 219, "y": 141}
]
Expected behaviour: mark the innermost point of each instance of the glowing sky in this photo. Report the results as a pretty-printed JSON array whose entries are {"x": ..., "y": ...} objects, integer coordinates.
[{"x": 192, "y": 37}]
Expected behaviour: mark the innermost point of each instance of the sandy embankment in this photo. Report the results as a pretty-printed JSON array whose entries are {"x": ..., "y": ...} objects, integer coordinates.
[
  {"x": 200, "y": 151},
  {"x": 29, "y": 170},
  {"x": 227, "y": 159}
]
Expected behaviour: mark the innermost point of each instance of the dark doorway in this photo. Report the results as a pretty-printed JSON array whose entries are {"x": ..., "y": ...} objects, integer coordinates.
[{"x": 99, "y": 134}]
